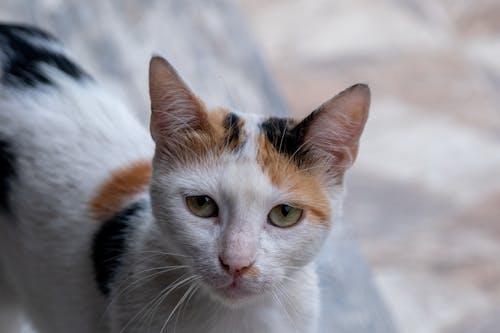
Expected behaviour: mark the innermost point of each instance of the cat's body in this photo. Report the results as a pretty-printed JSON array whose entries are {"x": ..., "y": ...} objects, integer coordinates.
[
  {"x": 89, "y": 244},
  {"x": 59, "y": 137}
]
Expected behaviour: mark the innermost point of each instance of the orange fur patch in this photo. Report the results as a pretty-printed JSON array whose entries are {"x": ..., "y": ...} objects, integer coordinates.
[
  {"x": 216, "y": 119},
  {"x": 253, "y": 271},
  {"x": 123, "y": 184},
  {"x": 212, "y": 138},
  {"x": 306, "y": 185},
  {"x": 194, "y": 146}
]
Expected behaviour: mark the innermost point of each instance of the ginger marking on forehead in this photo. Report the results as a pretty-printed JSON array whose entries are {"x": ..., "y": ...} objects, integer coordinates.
[
  {"x": 216, "y": 119},
  {"x": 121, "y": 186},
  {"x": 229, "y": 128},
  {"x": 223, "y": 132},
  {"x": 307, "y": 186}
]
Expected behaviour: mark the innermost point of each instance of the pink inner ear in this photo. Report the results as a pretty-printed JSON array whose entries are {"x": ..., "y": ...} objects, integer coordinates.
[
  {"x": 174, "y": 107},
  {"x": 334, "y": 133}
]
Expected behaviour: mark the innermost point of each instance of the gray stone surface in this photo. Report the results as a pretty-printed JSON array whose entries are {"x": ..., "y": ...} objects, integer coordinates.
[{"x": 207, "y": 42}]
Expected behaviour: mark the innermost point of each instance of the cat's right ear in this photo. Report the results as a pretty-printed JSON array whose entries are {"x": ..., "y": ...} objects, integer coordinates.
[
  {"x": 175, "y": 109},
  {"x": 331, "y": 133}
]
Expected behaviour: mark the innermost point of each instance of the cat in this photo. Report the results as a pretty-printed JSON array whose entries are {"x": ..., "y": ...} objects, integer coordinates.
[{"x": 209, "y": 222}]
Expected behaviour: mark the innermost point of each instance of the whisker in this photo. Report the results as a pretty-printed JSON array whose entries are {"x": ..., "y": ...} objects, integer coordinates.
[
  {"x": 166, "y": 290},
  {"x": 176, "y": 307},
  {"x": 154, "y": 309},
  {"x": 135, "y": 284},
  {"x": 152, "y": 313},
  {"x": 145, "y": 307},
  {"x": 289, "y": 278},
  {"x": 167, "y": 253},
  {"x": 288, "y": 299},
  {"x": 147, "y": 277},
  {"x": 184, "y": 306},
  {"x": 152, "y": 252},
  {"x": 283, "y": 136},
  {"x": 284, "y": 308}
]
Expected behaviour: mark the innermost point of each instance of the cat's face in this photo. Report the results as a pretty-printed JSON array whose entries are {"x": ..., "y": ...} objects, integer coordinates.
[{"x": 246, "y": 201}]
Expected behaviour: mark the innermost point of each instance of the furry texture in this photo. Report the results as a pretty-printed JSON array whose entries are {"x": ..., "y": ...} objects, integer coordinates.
[{"x": 98, "y": 240}]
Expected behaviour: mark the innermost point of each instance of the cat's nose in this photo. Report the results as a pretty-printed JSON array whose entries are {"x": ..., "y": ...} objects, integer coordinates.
[{"x": 235, "y": 266}]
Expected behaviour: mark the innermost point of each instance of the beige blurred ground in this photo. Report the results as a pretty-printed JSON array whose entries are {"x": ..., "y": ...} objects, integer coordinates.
[{"x": 424, "y": 199}]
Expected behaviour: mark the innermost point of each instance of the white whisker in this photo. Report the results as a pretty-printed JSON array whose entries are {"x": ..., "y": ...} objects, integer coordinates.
[
  {"x": 176, "y": 307},
  {"x": 171, "y": 287}
]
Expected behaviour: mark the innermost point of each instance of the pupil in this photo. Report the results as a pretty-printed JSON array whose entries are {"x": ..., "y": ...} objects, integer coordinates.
[
  {"x": 285, "y": 210},
  {"x": 201, "y": 201}
]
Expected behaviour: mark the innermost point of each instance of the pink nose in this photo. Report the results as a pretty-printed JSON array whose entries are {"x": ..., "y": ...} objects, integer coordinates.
[{"x": 235, "y": 266}]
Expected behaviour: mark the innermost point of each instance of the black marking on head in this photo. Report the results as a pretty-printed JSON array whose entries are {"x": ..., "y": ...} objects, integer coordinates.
[
  {"x": 24, "y": 56},
  {"x": 110, "y": 245},
  {"x": 7, "y": 173},
  {"x": 284, "y": 134},
  {"x": 232, "y": 125}
]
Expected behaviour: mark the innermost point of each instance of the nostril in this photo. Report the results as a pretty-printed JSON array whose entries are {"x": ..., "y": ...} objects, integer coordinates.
[
  {"x": 224, "y": 265},
  {"x": 241, "y": 270}
]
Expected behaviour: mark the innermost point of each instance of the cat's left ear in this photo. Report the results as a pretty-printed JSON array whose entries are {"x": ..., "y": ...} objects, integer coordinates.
[
  {"x": 331, "y": 133},
  {"x": 175, "y": 109}
]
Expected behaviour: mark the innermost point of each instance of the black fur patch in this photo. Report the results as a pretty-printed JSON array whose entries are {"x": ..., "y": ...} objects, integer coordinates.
[
  {"x": 110, "y": 244},
  {"x": 25, "y": 56},
  {"x": 233, "y": 131},
  {"x": 287, "y": 136},
  {"x": 284, "y": 135},
  {"x": 7, "y": 173},
  {"x": 231, "y": 126}
]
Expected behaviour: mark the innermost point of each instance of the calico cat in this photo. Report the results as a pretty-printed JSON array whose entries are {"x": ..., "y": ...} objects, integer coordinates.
[{"x": 212, "y": 226}]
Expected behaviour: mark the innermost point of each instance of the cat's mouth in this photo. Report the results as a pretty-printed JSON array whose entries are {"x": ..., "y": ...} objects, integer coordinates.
[{"x": 235, "y": 289}]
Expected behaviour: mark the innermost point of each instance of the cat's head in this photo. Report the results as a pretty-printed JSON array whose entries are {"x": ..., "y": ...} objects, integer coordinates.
[{"x": 247, "y": 200}]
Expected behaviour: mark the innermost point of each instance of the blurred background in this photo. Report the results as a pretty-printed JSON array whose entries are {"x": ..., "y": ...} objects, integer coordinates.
[{"x": 424, "y": 196}]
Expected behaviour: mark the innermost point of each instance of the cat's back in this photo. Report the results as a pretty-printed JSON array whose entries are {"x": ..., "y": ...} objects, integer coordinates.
[
  {"x": 61, "y": 138},
  {"x": 61, "y": 135},
  {"x": 27, "y": 55},
  {"x": 44, "y": 92}
]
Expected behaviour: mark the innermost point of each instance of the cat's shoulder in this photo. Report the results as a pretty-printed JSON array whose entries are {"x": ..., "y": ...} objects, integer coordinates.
[{"x": 31, "y": 57}]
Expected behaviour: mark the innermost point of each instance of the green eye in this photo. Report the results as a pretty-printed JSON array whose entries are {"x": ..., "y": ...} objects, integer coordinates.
[
  {"x": 284, "y": 216},
  {"x": 202, "y": 206}
]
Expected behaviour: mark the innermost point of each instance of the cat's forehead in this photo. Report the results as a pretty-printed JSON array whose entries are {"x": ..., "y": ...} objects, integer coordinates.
[
  {"x": 236, "y": 130},
  {"x": 253, "y": 138},
  {"x": 247, "y": 133},
  {"x": 267, "y": 145}
]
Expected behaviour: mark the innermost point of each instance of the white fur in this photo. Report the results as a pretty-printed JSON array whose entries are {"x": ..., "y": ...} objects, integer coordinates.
[
  {"x": 66, "y": 142},
  {"x": 283, "y": 298}
]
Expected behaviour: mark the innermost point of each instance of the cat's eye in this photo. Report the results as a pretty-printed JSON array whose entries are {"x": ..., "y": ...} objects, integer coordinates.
[
  {"x": 284, "y": 216},
  {"x": 202, "y": 206}
]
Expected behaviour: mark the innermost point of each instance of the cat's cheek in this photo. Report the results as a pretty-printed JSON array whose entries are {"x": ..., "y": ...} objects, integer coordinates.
[{"x": 295, "y": 246}]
